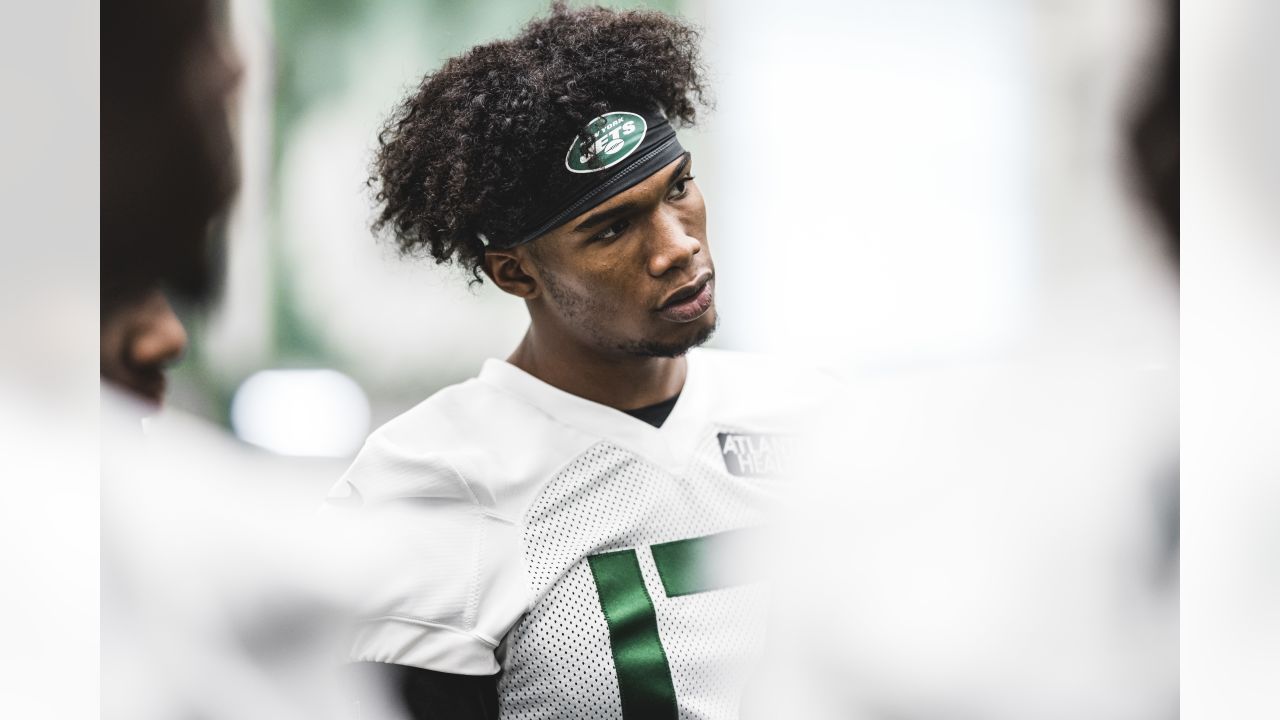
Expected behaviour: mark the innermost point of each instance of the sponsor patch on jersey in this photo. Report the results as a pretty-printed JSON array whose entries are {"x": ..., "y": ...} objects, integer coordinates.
[
  {"x": 615, "y": 135},
  {"x": 747, "y": 455}
]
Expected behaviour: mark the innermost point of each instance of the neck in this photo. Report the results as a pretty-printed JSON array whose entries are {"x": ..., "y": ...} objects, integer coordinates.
[{"x": 615, "y": 379}]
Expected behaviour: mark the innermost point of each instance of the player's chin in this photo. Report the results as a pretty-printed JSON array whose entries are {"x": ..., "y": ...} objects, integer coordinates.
[
  {"x": 684, "y": 337},
  {"x": 704, "y": 327}
]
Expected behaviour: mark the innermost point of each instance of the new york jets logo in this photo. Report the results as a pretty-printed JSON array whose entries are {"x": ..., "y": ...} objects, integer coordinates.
[{"x": 615, "y": 135}]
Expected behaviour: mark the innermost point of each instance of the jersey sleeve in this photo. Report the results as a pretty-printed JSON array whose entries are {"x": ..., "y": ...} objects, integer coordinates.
[{"x": 455, "y": 584}]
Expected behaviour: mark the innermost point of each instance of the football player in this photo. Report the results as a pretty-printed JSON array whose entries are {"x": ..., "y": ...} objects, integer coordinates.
[{"x": 566, "y": 506}]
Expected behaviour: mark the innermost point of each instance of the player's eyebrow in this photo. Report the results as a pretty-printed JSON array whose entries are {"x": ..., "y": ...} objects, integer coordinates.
[{"x": 597, "y": 219}]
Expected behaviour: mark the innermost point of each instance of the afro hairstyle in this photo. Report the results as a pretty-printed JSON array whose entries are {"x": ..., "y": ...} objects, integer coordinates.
[{"x": 473, "y": 149}]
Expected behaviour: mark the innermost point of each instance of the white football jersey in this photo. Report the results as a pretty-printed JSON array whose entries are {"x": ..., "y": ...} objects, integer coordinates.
[{"x": 574, "y": 547}]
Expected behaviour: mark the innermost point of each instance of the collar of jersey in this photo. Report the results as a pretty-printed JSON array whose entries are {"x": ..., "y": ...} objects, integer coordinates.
[{"x": 671, "y": 446}]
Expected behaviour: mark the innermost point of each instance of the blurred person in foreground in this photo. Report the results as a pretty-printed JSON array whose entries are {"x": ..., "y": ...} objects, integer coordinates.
[
  {"x": 999, "y": 538},
  {"x": 565, "y": 500},
  {"x": 168, "y": 172},
  {"x": 216, "y": 601}
]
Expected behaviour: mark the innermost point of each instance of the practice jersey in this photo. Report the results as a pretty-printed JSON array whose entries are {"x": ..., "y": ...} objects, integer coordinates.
[{"x": 576, "y": 548}]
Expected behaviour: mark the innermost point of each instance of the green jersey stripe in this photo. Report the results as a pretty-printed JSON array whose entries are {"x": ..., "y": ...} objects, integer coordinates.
[
  {"x": 701, "y": 564},
  {"x": 644, "y": 677}
]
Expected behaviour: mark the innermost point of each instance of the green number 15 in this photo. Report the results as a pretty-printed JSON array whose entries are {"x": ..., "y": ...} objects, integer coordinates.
[{"x": 644, "y": 676}]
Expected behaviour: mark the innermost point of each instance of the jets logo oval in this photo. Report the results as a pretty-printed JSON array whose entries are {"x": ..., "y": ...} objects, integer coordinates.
[{"x": 614, "y": 136}]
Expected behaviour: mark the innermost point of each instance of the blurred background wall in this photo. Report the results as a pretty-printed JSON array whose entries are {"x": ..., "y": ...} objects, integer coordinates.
[{"x": 890, "y": 185}]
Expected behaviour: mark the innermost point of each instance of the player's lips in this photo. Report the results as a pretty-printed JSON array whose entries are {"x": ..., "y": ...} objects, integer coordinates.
[{"x": 690, "y": 302}]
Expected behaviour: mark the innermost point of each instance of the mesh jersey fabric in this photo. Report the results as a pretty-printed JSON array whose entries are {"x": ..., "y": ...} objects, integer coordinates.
[{"x": 510, "y": 492}]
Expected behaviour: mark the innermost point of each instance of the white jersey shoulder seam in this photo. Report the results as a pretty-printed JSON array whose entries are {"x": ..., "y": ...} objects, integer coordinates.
[{"x": 431, "y": 624}]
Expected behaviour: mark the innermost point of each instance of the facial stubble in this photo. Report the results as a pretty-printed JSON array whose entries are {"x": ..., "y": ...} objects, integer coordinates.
[{"x": 583, "y": 311}]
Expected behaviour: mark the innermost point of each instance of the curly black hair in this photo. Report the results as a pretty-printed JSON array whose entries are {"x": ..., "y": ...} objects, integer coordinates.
[{"x": 473, "y": 148}]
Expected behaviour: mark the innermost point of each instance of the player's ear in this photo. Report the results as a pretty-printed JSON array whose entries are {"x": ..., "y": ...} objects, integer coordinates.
[{"x": 513, "y": 272}]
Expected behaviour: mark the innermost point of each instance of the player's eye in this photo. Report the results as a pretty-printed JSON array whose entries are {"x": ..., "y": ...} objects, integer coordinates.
[
  {"x": 680, "y": 188},
  {"x": 612, "y": 231}
]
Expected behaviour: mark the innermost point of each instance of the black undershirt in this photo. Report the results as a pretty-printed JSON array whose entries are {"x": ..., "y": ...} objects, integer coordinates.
[
  {"x": 386, "y": 690},
  {"x": 655, "y": 414}
]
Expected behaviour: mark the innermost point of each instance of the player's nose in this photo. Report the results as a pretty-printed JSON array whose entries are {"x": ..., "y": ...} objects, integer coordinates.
[
  {"x": 673, "y": 246},
  {"x": 159, "y": 338}
]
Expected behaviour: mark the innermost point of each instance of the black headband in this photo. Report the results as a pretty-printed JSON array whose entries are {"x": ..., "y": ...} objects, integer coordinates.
[{"x": 626, "y": 148}]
